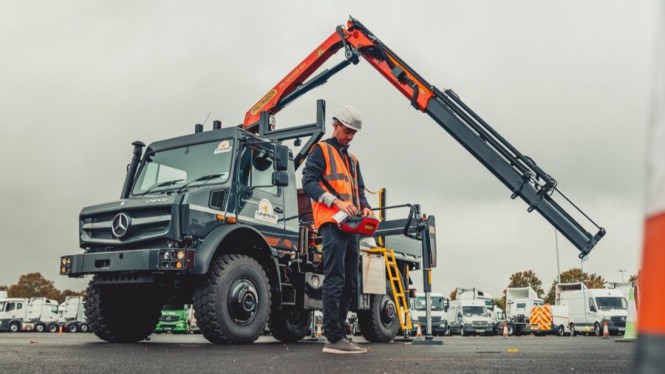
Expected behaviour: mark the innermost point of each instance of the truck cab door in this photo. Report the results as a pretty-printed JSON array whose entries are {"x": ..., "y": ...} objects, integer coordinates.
[{"x": 260, "y": 203}]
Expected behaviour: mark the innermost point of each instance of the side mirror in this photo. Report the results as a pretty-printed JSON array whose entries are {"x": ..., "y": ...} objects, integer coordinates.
[
  {"x": 593, "y": 308},
  {"x": 282, "y": 158},
  {"x": 280, "y": 178}
]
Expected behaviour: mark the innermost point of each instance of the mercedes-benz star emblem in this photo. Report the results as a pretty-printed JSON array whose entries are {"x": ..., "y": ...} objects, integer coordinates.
[{"x": 120, "y": 225}]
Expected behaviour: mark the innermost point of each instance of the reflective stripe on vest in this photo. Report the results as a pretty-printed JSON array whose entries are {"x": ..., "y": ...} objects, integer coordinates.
[{"x": 338, "y": 174}]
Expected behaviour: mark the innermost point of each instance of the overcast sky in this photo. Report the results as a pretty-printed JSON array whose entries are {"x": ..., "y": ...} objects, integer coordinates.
[{"x": 566, "y": 82}]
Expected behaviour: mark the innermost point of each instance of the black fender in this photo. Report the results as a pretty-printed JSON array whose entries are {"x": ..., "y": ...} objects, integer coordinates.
[{"x": 206, "y": 251}]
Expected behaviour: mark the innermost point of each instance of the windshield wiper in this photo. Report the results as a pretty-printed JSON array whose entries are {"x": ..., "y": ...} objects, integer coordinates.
[
  {"x": 163, "y": 184},
  {"x": 203, "y": 178}
]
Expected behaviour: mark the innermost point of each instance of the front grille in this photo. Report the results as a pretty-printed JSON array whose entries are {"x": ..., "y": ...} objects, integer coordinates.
[
  {"x": 169, "y": 318},
  {"x": 145, "y": 224},
  {"x": 435, "y": 320},
  {"x": 619, "y": 321},
  {"x": 479, "y": 323}
]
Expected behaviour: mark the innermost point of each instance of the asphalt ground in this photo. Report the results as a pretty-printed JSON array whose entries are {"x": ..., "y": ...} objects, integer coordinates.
[{"x": 165, "y": 353}]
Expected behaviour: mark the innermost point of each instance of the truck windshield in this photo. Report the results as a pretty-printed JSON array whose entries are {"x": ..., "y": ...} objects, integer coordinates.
[
  {"x": 437, "y": 303},
  {"x": 607, "y": 303},
  {"x": 474, "y": 311},
  {"x": 174, "y": 168}
]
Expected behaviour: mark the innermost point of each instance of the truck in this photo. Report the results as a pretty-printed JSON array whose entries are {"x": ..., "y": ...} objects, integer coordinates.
[
  {"x": 590, "y": 308},
  {"x": 175, "y": 319},
  {"x": 27, "y": 314},
  {"x": 439, "y": 309},
  {"x": 71, "y": 316},
  {"x": 470, "y": 317},
  {"x": 549, "y": 319},
  {"x": 215, "y": 218},
  {"x": 495, "y": 312},
  {"x": 519, "y": 302}
]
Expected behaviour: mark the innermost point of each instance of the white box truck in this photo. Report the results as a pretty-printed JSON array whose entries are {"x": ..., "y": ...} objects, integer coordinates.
[
  {"x": 495, "y": 312},
  {"x": 469, "y": 317},
  {"x": 590, "y": 308}
]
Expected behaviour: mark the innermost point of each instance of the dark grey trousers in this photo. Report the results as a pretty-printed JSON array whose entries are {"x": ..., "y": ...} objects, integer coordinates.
[{"x": 340, "y": 259}]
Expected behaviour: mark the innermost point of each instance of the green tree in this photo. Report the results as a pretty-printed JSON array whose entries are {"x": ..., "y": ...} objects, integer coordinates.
[
  {"x": 500, "y": 301},
  {"x": 453, "y": 294},
  {"x": 34, "y": 285},
  {"x": 527, "y": 278},
  {"x": 576, "y": 275}
]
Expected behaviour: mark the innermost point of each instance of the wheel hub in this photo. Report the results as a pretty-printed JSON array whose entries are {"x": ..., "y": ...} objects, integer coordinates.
[
  {"x": 243, "y": 301},
  {"x": 388, "y": 311}
]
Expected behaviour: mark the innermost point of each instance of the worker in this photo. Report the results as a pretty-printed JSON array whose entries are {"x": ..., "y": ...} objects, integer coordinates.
[{"x": 332, "y": 179}]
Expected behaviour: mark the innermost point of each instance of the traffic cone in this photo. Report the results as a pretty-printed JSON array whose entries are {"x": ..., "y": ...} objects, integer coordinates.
[
  {"x": 318, "y": 330},
  {"x": 606, "y": 331},
  {"x": 60, "y": 329},
  {"x": 418, "y": 331},
  {"x": 505, "y": 330}
]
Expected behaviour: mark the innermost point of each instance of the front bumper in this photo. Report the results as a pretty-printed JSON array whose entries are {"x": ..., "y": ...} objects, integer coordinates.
[
  {"x": 470, "y": 328},
  {"x": 137, "y": 260}
]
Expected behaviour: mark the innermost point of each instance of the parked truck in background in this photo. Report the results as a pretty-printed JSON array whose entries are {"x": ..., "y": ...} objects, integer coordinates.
[
  {"x": 469, "y": 317},
  {"x": 439, "y": 313},
  {"x": 27, "y": 314},
  {"x": 495, "y": 312},
  {"x": 175, "y": 319},
  {"x": 590, "y": 308},
  {"x": 71, "y": 316},
  {"x": 519, "y": 302}
]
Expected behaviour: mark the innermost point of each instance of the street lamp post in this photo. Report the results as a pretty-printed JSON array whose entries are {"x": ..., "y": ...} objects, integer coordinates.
[{"x": 622, "y": 271}]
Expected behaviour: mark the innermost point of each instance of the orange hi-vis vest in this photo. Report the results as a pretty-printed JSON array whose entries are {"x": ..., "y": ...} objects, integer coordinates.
[{"x": 342, "y": 177}]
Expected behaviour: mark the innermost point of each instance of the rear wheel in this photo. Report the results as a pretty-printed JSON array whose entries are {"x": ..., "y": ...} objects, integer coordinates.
[
  {"x": 379, "y": 324},
  {"x": 232, "y": 304},
  {"x": 289, "y": 325},
  {"x": 573, "y": 332},
  {"x": 84, "y": 327},
  {"x": 40, "y": 327},
  {"x": 53, "y": 327},
  {"x": 73, "y": 327},
  {"x": 106, "y": 312}
]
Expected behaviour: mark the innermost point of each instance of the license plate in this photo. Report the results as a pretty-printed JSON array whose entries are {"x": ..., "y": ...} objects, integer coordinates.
[
  {"x": 480, "y": 330},
  {"x": 622, "y": 329},
  {"x": 168, "y": 328}
]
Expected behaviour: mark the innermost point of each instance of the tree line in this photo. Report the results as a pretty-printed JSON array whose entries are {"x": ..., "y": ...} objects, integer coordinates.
[
  {"x": 528, "y": 278},
  {"x": 35, "y": 285}
]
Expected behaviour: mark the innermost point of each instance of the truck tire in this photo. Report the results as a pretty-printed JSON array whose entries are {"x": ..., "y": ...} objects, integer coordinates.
[
  {"x": 40, "y": 327},
  {"x": 14, "y": 327},
  {"x": 289, "y": 325},
  {"x": 107, "y": 316},
  {"x": 73, "y": 327},
  {"x": 379, "y": 324},
  {"x": 462, "y": 332},
  {"x": 84, "y": 327},
  {"x": 598, "y": 331},
  {"x": 560, "y": 331},
  {"x": 53, "y": 327},
  {"x": 232, "y": 303},
  {"x": 573, "y": 332}
]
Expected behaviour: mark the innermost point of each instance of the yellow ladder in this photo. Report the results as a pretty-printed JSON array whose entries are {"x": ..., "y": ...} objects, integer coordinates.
[{"x": 396, "y": 286}]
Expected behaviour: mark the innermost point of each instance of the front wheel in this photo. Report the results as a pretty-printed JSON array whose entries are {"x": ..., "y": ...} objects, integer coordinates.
[
  {"x": 379, "y": 324},
  {"x": 84, "y": 327},
  {"x": 232, "y": 304},
  {"x": 106, "y": 310},
  {"x": 597, "y": 329},
  {"x": 73, "y": 328},
  {"x": 561, "y": 331},
  {"x": 40, "y": 327},
  {"x": 14, "y": 327},
  {"x": 289, "y": 325},
  {"x": 53, "y": 327},
  {"x": 573, "y": 332}
]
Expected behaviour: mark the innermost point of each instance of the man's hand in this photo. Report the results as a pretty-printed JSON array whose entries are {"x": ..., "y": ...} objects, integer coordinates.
[
  {"x": 367, "y": 212},
  {"x": 346, "y": 207}
]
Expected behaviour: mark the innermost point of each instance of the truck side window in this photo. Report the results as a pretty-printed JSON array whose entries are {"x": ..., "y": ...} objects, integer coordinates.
[
  {"x": 256, "y": 170},
  {"x": 10, "y": 306}
]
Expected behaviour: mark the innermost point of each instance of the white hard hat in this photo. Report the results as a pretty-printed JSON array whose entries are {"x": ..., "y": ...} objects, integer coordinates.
[{"x": 348, "y": 116}]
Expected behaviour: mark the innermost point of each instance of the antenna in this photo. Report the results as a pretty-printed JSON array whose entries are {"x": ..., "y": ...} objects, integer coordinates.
[{"x": 204, "y": 121}]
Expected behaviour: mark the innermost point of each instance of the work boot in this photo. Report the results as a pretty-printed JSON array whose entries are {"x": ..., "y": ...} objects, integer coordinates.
[{"x": 342, "y": 347}]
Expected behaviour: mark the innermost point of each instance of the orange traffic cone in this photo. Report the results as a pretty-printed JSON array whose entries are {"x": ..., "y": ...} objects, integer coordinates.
[
  {"x": 505, "y": 330},
  {"x": 606, "y": 331},
  {"x": 60, "y": 329},
  {"x": 418, "y": 331},
  {"x": 318, "y": 329}
]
